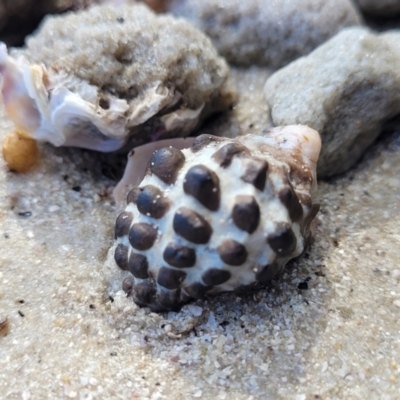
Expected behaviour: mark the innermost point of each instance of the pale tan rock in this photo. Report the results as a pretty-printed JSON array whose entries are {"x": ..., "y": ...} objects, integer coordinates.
[{"x": 347, "y": 89}]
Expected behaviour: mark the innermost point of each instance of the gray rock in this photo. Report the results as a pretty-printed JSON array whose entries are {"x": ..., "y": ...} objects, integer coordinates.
[
  {"x": 384, "y": 8},
  {"x": 347, "y": 89},
  {"x": 267, "y": 32}
]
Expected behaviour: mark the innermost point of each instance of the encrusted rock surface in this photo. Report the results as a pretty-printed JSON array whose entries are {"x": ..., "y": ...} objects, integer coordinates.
[
  {"x": 217, "y": 217},
  {"x": 347, "y": 89},
  {"x": 264, "y": 32},
  {"x": 153, "y": 77}
]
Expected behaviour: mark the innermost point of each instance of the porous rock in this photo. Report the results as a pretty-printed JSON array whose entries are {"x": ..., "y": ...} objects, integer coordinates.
[
  {"x": 346, "y": 89},
  {"x": 252, "y": 218},
  {"x": 265, "y": 32},
  {"x": 135, "y": 72}
]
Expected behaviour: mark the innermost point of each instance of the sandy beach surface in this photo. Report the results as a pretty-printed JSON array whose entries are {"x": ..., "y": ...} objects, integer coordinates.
[{"x": 328, "y": 329}]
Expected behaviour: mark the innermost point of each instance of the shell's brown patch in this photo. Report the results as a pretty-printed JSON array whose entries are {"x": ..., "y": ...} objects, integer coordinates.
[
  {"x": 283, "y": 241},
  {"x": 224, "y": 155},
  {"x": 290, "y": 200},
  {"x": 123, "y": 223},
  {"x": 142, "y": 236},
  {"x": 246, "y": 213},
  {"x": 151, "y": 202},
  {"x": 215, "y": 276},
  {"x": 121, "y": 256},
  {"x": 204, "y": 140},
  {"x": 179, "y": 256},
  {"x": 305, "y": 226},
  {"x": 191, "y": 226},
  {"x": 138, "y": 265},
  {"x": 299, "y": 174},
  {"x": 267, "y": 272},
  {"x": 203, "y": 184},
  {"x": 256, "y": 173},
  {"x": 170, "y": 278},
  {"x": 197, "y": 290},
  {"x": 232, "y": 252},
  {"x": 166, "y": 163},
  {"x": 168, "y": 300},
  {"x": 133, "y": 195},
  {"x": 305, "y": 200}
]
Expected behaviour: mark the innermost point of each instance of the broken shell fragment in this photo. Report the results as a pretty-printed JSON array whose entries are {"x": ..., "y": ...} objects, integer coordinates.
[
  {"x": 100, "y": 77},
  {"x": 238, "y": 211}
]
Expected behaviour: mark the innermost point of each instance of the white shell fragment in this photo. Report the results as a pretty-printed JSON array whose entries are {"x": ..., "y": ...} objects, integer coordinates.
[
  {"x": 219, "y": 216},
  {"x": 96, "y": 78}
]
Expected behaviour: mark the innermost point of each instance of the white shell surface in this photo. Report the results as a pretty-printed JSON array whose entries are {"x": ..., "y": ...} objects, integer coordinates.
[{"x": 286, "y": 159}]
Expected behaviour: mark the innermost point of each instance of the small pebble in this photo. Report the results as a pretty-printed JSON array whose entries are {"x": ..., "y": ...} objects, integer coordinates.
[
  {"x": 397, "y": 303},
  {"x": 195, "y": 310},
  {"x": 25, "y": 213},
  {"x": 396, "y": 274},
  {"x": 20, "y": 152},
  {"x": 4, "y": 327}
]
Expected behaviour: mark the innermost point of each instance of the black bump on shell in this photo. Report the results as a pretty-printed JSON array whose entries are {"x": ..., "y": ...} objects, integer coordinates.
[
  {"x": 283, "y": 241},
  {"x": 138, "y": 265},
  {"x": 232, "y": 252},
  {"x": 215, "y": 276},
  {"x": 179, "y": 256},
  {"x": 168, "y": 300},
  {"x": 246, "y": 213},
  {"x": 192, "y": 226},
  {"x": 166, "y": 163},
  {"x": 290, "y": 200},
  {"x": 197, "y": 290},
  {"x": 127, "y": 285},
  {"x": 267, "y": 272},
  {"x": 256, "y": 173},
  {"x": 123, "y": 224},
  {"x": 144, "y": 293},
  {"x": 204, "y": 140},
  {"x": 170, "y": 278},
  {"x": 133, "y": 195},
  {"x": 151, "y": 202},
  {"x": 224, "y": 155},
  {"x": 203, "y": 184},
  {"x": 121, "y": 256},
  {"x": 142, "y": 236}
]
